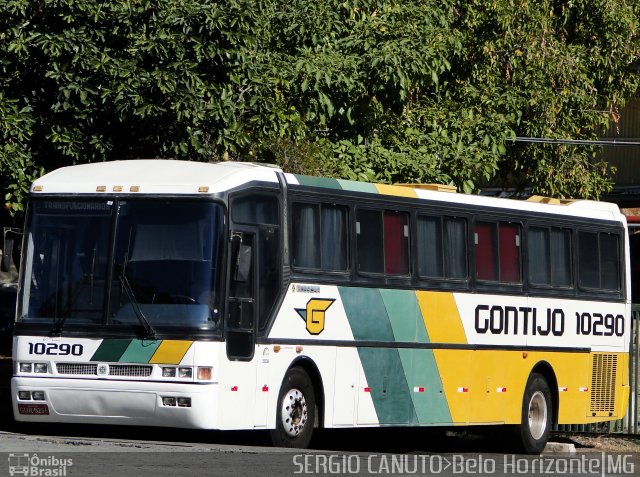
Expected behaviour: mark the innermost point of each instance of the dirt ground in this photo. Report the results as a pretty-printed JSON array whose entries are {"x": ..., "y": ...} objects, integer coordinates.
[{"x": 604, "y": 443}]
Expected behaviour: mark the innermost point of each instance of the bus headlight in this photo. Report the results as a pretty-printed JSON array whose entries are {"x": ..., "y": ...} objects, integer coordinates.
[
  {"x": 168, "y": 372},
  {"x": 24, "y": 395},
  {"x": 40, "y": 367},
  {"x": 184, "y": 402},
  {"x": 185, "y": 372},
  {"x": 26, "y": 367}
]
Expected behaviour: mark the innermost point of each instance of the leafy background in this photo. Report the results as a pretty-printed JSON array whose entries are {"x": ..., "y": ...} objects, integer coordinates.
[{"x": 390, "y": 91}]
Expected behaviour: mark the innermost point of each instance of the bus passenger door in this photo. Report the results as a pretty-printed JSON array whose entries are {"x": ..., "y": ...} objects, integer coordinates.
[{"x": 241, "y": 310}]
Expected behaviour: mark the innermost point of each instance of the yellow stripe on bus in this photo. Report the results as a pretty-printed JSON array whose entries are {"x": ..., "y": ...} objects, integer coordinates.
[
  {"x": 400, "y": 191},
  {"x": 441, "y": 317},
  {"x": 170, "y": 352}
]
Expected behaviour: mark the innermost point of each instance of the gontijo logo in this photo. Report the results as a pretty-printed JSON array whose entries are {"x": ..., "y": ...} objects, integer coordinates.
[{"x": 314, "y": 314}]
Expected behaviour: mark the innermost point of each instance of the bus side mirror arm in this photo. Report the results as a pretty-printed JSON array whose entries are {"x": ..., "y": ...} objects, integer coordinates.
[
  {"x": 242, "y": 258},
  {"x": 7, "y": 253}
]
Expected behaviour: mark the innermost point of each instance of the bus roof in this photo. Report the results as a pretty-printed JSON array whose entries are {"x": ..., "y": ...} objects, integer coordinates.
[{"x": 156, "y": 176}]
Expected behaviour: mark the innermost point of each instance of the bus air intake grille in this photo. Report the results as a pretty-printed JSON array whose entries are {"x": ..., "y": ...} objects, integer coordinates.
[
  {"x": 603, "y": 383},
  {"x": 86, "y": 369},
  {"x": 130, "y": 370},
  {"x": 91, "y": 369}
]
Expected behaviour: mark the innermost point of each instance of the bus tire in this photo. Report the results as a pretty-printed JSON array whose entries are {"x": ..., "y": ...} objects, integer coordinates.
[
  {"x": 295, "y": 411},
  {"x": 537, "y": 411}
]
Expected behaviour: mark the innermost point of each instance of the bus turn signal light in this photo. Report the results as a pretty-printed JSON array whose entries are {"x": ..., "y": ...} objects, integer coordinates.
[{"x": 205, "y": 373}]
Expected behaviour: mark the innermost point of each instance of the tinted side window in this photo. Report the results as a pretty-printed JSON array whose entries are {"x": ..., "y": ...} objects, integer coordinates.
[
  {"x": 396, "y": 243},
  {"x": 588, "y": 260},
  {"x": 497, "y": 251},
  {"x": 486, "y": 243},
  {"x": 549, "y": 256},
  {"x": 382, "y": 242},
  {"x": 256, "y": 209},
  {"x": 369, "y": 241},
  {"x": 610, "y": 261},
  {"x": 442, "y": 247},
  {"x": 320, "y": 236}
]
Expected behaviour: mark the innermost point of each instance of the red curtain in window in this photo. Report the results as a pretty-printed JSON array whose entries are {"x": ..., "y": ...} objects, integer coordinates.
[
  {"x": 485, "y": 251},
  {"x": 396, "y": 246},
  {"x": 509, "y": 253}
]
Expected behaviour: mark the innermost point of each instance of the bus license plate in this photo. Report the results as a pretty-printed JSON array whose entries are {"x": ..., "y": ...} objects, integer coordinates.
[{"x": 33, "y": 409}]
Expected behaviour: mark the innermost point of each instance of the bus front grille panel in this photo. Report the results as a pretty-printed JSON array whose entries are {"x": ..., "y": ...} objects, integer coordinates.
[
  {"x": 603, "y": 383},
  {"x": 130, "y": 370},
  {"x": 91, "y": 369},
  {"x": 86, "y": 369}
]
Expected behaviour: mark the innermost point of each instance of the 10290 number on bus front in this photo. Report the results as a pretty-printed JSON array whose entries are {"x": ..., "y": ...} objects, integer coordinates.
[{"x": 58, "y": 349}]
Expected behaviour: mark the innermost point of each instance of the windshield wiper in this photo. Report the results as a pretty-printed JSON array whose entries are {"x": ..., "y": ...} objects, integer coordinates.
[{"x": 149, "y": 332}]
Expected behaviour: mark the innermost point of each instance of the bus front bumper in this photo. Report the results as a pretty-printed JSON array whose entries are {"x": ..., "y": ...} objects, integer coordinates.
[{"x": 115, "y": 402}]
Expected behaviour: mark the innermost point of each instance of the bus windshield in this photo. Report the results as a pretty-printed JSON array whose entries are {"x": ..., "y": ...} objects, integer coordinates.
[{"x": 98, "y": 263}]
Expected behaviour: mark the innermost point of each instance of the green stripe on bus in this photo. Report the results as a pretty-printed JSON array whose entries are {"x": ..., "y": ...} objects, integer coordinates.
[
  {"x": 356, "y": 186},
  {"x": 110, "y": 350},
  {"x": 405, "y": 315},
  {"x": 383, "y": 368},
  {"x": 366, "y": 314},
  {"x": 388, "y": 386},
  {"x": 318, "y": 181},
  {"x": 140, "y": 351},
  {"x": 427, "y": 393}
]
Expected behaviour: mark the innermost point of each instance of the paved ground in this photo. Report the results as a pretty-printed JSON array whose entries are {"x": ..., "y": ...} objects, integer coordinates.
[{"x": 57, "y": 450}]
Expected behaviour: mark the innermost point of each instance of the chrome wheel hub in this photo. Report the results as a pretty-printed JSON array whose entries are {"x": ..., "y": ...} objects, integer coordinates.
[{"x": 293, "y": 412}]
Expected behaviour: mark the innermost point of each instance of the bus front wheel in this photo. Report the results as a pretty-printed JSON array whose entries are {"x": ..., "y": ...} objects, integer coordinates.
[
  {"x": 296, "y": 411},
  {"x": 537, "y": 412}
]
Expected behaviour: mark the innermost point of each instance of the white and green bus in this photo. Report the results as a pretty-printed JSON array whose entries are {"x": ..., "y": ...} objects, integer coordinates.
[{"x": 235, "y": 296}]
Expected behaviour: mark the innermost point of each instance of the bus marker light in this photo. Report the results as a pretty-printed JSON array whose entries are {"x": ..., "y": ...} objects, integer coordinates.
[
  {"x": 418, "y": 389},
  {"x": 101, "y": 188},
  {"x": 37, "y": 188},
  {"x": 234, "y": 388},
  {"x": 501, "y": 390},
  {"x": 205, "y": 373},
  {"x": 525, "y": 354},
  {"x": 265, "y": 388},
  {"x": 117, "y": 188},
  {"x": 563, "y": 389},
  {"x": 463, "y": 390},
  {"x": 299, "y": 349},
  {"x": 276, "y": 348},
  {"x": 168, "y": 401},
  {"x": 24, "y": 395},
  {"x": 184, "y": 402},
  {"x": 367, "y": 390},
  {"x": 203, "y": 189},
  {"x": 134, "y": 189},
  {"x": 583, "y": 390}
]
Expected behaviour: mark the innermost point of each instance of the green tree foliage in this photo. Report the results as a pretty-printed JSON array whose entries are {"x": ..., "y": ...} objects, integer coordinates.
[{"x": 387, "y": 90}]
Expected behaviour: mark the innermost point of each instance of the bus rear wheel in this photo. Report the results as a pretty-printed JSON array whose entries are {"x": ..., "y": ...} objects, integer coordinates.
[
  {"x": 537, "y": 412},
  {"x": 295, "y": 412}
]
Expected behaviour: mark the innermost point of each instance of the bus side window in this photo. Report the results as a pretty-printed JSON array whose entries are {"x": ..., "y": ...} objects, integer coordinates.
[
  {"x": 599, "y": 260},
  {"x": 442, "y": 251},
  {"x": 497, "y": 247},
  {"x": 320, "y": 237}
]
